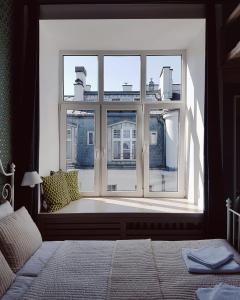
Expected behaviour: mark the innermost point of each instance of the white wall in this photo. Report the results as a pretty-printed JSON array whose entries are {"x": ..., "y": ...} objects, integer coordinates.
[
  {"x": 195, "y": 118},
  {"x": 56, "y": 35}
]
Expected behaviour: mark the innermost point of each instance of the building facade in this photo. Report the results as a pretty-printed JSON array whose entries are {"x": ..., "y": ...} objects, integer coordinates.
[{"x": 121, "y": 126}]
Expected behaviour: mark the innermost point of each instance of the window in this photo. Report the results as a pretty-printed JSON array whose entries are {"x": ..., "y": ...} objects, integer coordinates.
[
  {"x": 124, "y": 143},
  {"x": 153, "y": 137},
  {"x": 80, "y": 78},
  {"x": 71, "y": 152},
  {"x": 112, "y": 187},
  {"x": 90, "y": 138},
  {"x": 163, "y": 78},
  {"x": 121, "y": 78},
  {"x": 123, "y": 117}
]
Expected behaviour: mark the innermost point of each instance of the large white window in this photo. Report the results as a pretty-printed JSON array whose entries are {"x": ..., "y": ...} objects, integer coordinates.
[{"x": 129, "y": 109}]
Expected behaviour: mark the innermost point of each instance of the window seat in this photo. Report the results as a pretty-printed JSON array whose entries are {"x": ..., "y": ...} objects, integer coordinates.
[
  {"x": 112, "y": 218},
  {"x": 129, "y": 205}
]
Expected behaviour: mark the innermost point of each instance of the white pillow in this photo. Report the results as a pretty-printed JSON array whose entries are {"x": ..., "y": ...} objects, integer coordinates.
[
  {"x": 5, "y": 209},
  {"x": 19, "y": 238}
]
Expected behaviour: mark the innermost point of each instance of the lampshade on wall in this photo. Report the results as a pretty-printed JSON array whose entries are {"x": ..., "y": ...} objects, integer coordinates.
[{"x": 31, "y": 179}]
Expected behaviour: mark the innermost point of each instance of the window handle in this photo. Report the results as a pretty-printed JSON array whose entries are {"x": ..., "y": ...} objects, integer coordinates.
[
  {"x": 144, "y": 149},
  {"x": 96, "y": 154},
  {"x": 103, "y": 151}
]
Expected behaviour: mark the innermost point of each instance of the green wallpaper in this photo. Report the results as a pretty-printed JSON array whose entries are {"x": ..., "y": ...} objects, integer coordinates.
[{"x": 6, "y": 42}]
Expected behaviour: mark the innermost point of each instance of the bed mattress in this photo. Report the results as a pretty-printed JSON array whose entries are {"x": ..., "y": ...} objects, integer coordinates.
[{"x": 132, "y": 269}]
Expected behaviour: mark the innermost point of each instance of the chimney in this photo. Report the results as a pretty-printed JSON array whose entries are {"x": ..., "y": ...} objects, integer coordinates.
[
  {"x": 80, "y": 83},
  {"x": 165, "y": 84},
  {"x": 88, "y": 88},
  {"x": 127, "y": 87}
]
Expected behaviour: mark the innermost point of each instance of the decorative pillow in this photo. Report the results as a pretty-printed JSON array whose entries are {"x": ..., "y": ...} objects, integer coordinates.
[
  {"x": 19, "y": 238},
  {"x": 72, "y": 183},
  {"x": 5, "y": 209},
  {"x": 6, "y": 275},
  {"x": 55, "y": 191}
]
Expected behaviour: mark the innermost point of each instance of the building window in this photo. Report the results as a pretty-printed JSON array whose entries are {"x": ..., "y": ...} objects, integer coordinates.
[
  {"x": 71, "y": 151},
  {"x": 90, "y": 138},
  {"x": 124, "y": 143},
  {"x": 153, "y": 137},
  {"x": 112, "y": 187}
]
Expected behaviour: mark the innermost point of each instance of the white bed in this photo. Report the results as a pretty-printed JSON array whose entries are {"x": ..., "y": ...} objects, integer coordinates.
[{"x": 115, "y": 270}]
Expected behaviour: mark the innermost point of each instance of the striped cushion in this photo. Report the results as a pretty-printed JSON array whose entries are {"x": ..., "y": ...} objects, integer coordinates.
[
  {"x": 19, "y": 238},
  {"x": 6, "y": 275}
]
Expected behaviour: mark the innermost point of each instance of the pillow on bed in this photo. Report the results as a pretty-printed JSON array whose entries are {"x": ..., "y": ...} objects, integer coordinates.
[
  {"x": 6, "y": 275},
  {"x": 5, "y": 209},
  {"x": 19, "y": 238},
  {"x": 55, "y": 191}
]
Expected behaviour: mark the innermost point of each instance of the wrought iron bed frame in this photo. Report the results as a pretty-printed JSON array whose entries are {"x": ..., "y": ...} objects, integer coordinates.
[
  {"x": 233, "y": 226},
  {"x": 8, "y": 188}
]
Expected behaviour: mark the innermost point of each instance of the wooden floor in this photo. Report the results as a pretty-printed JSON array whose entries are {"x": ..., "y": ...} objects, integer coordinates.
[{"x": 129, "y": 205}]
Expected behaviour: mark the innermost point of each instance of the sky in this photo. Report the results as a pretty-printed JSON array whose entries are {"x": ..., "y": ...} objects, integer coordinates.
[{"x": 118, "y": 70}]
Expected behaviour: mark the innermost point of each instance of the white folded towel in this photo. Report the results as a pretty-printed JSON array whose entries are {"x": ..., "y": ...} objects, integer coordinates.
[
  {"x": 194, "y": 267},
  {"x": 212, "y": 257},
  {"x": 220, "y": 291}
]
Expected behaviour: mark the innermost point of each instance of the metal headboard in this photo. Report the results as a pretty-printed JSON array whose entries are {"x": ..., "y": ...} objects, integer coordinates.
[
  {"x": 233, "y": 226},
  {"x": 8, "y": 188}
]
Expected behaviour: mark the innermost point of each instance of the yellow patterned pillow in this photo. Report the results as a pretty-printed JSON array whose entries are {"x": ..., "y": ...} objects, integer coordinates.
[
  {"x": 72, "y": 183},
  {"x": 55, "y": 191}
]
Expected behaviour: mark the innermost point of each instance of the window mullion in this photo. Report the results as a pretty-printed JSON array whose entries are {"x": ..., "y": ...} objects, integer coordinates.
[
  {"x": 143, "y": 78},
  {"x": 101, "y": 78}
]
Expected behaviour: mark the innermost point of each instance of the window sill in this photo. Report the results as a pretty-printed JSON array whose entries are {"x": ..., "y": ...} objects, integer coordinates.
[{"x": 130, "y": 205}]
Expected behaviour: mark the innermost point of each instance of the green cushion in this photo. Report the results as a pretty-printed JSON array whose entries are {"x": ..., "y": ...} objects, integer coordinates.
[
  {"x": 72, "y": 183},
  {"x": 55, "y": 191}
]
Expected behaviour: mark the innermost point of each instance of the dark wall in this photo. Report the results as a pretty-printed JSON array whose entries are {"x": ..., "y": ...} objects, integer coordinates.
[
  {"x": 6, "y": 81},
  {"x": 231, "y": 88}
]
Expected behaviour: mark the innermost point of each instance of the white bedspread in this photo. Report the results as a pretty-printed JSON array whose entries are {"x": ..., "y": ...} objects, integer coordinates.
[{"x": 137, "y": 269}]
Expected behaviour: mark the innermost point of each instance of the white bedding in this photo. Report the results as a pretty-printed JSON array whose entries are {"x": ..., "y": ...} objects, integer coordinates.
[
  {"x": 18, "y": 288},
  {"x": 108, "y": 269},
  {"x": 39, "y": 259},
  {"x": 30, "y": 270}
]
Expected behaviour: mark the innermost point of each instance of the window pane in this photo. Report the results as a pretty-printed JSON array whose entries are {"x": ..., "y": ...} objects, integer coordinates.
[
  {"x": 117, "y": 150},
  {"x": 90, "y": 138},
  {"x": 122, "y": 78},
  {"x": 163, "y": 78},
  {"x": 80, "y": 148},
  {"x": 81, "y": 78},
  {"x": 134, "y": 150},
  {"x": 163, "y": 153},
  {"x": 121, "y": 150},
  {"x": 126, "y": 133}
]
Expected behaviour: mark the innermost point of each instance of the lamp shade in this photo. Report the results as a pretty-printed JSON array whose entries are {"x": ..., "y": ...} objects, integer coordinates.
[{"x": 31, "y": 178}]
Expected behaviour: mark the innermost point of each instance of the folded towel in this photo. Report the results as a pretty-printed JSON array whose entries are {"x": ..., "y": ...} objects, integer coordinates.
[
  {"x": 212, "y": 257},
  {"x": 194, "y": 267},
  {"x": 220, "y": 291}
]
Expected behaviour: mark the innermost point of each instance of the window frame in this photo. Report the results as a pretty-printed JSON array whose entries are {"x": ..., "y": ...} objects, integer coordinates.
[{"x": 142, "y": 105}]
